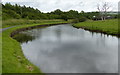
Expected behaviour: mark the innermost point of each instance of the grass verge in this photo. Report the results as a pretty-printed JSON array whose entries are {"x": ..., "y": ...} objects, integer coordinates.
[
  {"x": 107, "y": 26},
  {"x": 13, "y": 60}
]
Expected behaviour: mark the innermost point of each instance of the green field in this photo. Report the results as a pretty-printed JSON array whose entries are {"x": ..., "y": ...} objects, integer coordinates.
[
  {"x": 12, "y": 56},
  {"x": 107, "y": 26}
]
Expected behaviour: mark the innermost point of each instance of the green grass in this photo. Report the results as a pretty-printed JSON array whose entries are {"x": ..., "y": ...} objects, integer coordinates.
[
  {"x": 107, "y": 26},
  {"x": 13, "y": 60},
  {"x": 13, "y": 22}
]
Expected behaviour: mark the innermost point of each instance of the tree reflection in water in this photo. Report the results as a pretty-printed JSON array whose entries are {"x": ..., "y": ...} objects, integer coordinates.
[{"x": 23, "y": 38}]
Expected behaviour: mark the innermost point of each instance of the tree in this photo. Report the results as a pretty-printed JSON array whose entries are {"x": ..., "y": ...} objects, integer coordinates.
[
  {"x": 57, "y": 12},
  {"x": 103, "y": 10},
  {"x": 82, "y": 12},
  {"x": 72, "y": 14},
  {"x": 64, "y": 17}
]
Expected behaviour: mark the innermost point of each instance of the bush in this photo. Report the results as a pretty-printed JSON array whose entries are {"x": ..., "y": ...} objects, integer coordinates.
[
  {"x": 75, "y": 20},
  {"x": 5, "y": 16},
  {"x": 64, "y": 17},
  {"x": 80, "y": 19},
  {"x": 10, "y": 14}
]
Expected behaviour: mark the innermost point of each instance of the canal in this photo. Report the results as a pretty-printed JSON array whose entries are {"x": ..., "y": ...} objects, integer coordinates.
[{"x": 65, "y": 49}]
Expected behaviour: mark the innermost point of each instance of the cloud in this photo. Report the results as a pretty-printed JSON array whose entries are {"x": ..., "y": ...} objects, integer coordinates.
[{"x": 64, "y": 5}]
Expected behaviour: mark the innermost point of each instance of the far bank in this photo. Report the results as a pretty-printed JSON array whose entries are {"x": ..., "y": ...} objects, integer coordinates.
[{"x": 109, "y": 27}]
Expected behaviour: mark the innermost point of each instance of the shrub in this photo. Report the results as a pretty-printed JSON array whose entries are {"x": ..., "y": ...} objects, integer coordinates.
[
  {"x": 10, "y": 14},
  {"x": 80, "y": 19},
  {"x": 64, "y": 17},
  {"x": 75, "y": 20}
]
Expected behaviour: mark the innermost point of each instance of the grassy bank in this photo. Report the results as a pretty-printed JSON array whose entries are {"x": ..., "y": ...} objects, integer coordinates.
[
  {"x": 12, "y": 56},
  {"x": 14, "y": 22},
  {"x": 107, "y": 26}
]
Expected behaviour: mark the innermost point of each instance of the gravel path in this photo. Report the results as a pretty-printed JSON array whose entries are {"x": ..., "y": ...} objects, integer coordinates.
[{"x": 3, "y": 29}]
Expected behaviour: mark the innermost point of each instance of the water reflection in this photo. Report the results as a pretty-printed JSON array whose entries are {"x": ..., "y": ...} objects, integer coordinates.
[
  {"x": 64, "y": 49},
  {"x": 23, "y": 38}
]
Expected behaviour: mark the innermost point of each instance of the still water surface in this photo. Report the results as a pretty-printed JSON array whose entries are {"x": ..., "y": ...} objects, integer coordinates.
[{"x": 64, "y": 49}]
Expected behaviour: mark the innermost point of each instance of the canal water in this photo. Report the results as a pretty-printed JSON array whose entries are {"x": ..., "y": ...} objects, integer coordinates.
[{"x": 65, "y": 49}]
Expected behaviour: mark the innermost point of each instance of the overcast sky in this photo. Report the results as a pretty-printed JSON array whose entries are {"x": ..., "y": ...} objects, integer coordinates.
[{"x": 65, "y": 5}]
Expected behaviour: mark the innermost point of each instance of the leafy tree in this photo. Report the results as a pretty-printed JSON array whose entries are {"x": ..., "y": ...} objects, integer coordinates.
[
  {"x": 9, "y": 6},
  {"x": 11, "y": 14},
  {"x": 64, "y": 17},
  {"x": 72, "y": 14},
  {"x": 57, "y": 12}
]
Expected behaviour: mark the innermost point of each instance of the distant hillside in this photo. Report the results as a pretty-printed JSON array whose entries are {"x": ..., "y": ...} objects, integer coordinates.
[{"x": 17, "y": 12}]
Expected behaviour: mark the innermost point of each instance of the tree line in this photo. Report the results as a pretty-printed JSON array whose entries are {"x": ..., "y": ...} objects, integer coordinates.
[{"x": 16, "y": 11}]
